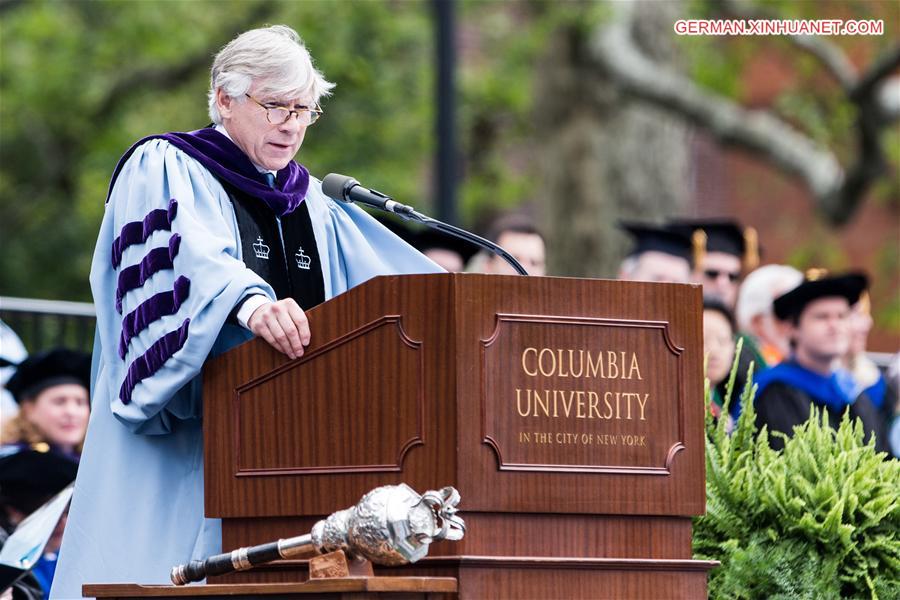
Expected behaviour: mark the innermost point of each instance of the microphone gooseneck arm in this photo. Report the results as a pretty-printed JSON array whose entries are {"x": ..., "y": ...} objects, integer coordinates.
[
  {"x": 347, "y": 189},
  {"x": 465, "y": 235}
]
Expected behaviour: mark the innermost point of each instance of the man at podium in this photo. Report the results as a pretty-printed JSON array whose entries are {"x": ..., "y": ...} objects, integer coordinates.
[{"x": 209, "y": 237}]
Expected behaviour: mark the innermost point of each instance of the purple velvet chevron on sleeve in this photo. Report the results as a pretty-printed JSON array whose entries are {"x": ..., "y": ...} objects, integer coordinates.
[
  {"x": 138, "y": 232},
  {"x": 156, "y": 307},
  {"x": 152, "y": 360},
  {"x": 154, "y": 261}
]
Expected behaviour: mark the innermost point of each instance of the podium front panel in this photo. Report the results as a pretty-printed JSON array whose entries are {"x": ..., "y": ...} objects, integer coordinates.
[{"x": 529, "y": 394}]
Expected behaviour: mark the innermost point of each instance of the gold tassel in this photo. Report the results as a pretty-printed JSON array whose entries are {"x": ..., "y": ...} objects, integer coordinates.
[
  {"x": 816, "y": 273},
  {"x": 698, "y": 241},
  {"x": 865, "y": 303},
  {"x": 751, "y": 249}
]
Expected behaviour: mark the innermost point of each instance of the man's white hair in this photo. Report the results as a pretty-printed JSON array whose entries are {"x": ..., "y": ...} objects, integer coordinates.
[
  {"x": 760, "y": 288},
  {"x": 273, "y": 57}
]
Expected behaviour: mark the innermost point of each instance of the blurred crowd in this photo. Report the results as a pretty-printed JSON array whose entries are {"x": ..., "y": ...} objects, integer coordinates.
[{"x": 804, "y": 333}]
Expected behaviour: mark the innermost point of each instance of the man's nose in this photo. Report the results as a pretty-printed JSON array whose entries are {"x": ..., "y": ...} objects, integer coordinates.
[{"x": 292, "y": 124}]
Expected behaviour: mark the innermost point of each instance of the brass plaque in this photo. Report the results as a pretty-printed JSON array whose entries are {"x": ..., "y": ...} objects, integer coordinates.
[{"x": 572, "y": 394}]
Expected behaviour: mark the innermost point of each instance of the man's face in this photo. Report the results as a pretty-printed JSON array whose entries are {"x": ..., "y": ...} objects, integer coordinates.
[
  {"x": 771, "y": 331},
  {"x": 660, "y": 267},
  {"x": 527, "y": 248},
  {"x": 269, "y": 145},
  {"x": 823, "y": 330},
  {"x": 720, "y": 274},
  {"x": 860, "y": 324}
]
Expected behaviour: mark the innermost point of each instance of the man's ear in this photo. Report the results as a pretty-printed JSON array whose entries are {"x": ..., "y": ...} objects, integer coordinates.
[
  {"x": 224, "y": 103},
  {"x": 758, "y": 324}
]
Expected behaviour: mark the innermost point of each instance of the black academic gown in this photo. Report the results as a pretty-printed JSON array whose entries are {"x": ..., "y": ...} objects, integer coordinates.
[{"x": 781, "y": 407}]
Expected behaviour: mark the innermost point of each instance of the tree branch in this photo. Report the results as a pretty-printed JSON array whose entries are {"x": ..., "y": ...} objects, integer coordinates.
[
  {"x": 837, "y": 193},
  {"x": 883, "y": 66},
  {"x": 830, "y": 56},
  {"x": 757, "y": 131}
]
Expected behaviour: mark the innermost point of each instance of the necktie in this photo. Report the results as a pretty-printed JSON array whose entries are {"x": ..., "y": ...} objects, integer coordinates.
[{"x": 270, "y": 179}]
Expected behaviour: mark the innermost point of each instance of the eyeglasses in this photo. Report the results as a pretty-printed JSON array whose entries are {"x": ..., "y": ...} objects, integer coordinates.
[
  {"x": 714, "y": 274},
  {"x": 277, "y": 115}
]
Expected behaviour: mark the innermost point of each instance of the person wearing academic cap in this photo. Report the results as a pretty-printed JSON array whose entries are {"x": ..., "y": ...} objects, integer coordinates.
[
  {"x": 723, "y": 251},
  {"x": 658, "y": 254},
  {"x": 208, "y": 238},
  {"x": 51, "y": 389},
  {"x": 818, "y": 313},
  {"x": 30, "y": 475}
]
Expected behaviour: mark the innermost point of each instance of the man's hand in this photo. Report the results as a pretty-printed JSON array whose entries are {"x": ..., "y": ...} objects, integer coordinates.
[{"x": 283, "y": 325}]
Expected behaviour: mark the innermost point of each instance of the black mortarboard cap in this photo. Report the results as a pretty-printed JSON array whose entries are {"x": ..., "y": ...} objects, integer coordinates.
[
  {"x": 45, "y": 369},
  {"x": 791, "y": 304},
  {"x": 648, "y": 237},
  {"x": 720, "y": 235},
  {"x": 30, "y": 474}
]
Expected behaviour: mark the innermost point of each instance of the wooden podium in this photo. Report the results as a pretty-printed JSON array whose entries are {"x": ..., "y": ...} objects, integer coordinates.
[{"x": 567, "y": 412}]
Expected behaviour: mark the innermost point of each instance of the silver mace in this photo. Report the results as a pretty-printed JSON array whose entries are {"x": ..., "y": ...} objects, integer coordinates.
[{"x": 391, "y": 525}]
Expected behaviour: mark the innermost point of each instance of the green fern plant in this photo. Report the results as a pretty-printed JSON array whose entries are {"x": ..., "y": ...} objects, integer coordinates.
[{"x": 819, "y": 519}]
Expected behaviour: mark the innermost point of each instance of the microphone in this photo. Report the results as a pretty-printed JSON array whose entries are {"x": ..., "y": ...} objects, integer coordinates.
[{"x": 347, "y": 189}]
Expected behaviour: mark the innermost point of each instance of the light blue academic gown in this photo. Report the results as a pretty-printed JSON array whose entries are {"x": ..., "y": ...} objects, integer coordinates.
[{"x": 138, "y": 505}]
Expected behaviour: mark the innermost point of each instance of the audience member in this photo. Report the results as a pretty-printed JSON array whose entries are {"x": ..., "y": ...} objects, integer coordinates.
[
  {"x": 718, "y": 349},
  {"x": 892, "y": 427},
  {"x": 818, "y": 314},
  {"x": 864, "y": 370},
  {"x": 518, "y": 235},
  {"x": 659, "y": 254},
  {"x": 761, "y": 331},
  {"x": 51, "y": 389},
  {"x": 722, "y": 251}
]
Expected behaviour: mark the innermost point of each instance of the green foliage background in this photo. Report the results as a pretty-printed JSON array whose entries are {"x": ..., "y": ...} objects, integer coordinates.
[
  {"x": 818, "y": 520},
  {"x": 81, "y": 81}
]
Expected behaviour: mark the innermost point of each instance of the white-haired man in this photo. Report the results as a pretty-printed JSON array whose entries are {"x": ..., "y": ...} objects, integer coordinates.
[
  {"x": 756, "y": 317},
  {"x": 209, "y": 237}
]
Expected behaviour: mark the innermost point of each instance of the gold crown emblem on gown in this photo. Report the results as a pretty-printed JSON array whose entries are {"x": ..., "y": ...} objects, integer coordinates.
[
  {"x": 303, "y": 260},
  {"x": 260, "y": 249}
]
